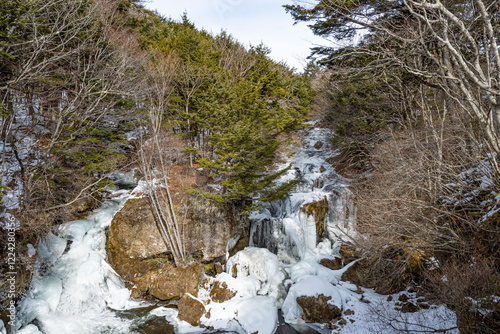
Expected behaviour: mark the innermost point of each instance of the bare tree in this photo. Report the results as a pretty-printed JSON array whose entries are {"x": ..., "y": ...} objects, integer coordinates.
[
  {"x": 447, "y": 44},
  {"x": 67, "y": 73},
  {"x": 156, "y": 154}
]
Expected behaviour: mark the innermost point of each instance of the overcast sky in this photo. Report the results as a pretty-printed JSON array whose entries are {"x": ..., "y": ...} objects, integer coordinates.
[{"x": 250, "y": 22}]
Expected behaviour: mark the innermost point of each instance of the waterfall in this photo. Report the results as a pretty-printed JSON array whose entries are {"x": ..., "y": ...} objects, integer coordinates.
[
  {"x": 284, "y": 227},
  {"x": 74, "y": 290}
]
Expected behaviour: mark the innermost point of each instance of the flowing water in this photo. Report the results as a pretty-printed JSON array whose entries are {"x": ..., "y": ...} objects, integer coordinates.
[
  {"x": 287, "y": 230},
  {"x": 74, "y": 290}
]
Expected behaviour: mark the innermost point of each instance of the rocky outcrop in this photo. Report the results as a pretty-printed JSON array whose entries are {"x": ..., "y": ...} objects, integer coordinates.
[
  {"x": 355, "y": 272},
  {"x": 138, "y": 253},
  {"x": 318, "y": 310},
  {"x": 134, "y": 233},
  {"x": 170, "y": 282},
  {"x": 190, "y": 310},
  {"x": 318, "y": 210}
]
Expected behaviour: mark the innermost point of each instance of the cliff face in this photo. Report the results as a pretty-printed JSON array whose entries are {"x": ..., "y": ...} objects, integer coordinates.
[{"x": 136, "y": 248}]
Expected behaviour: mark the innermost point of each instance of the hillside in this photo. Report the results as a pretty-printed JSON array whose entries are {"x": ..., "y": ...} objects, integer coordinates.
[{"x": 89, "y": 88}]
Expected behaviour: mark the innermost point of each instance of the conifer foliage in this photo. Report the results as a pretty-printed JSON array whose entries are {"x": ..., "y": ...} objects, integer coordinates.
[{"x": 232, "y": 106}]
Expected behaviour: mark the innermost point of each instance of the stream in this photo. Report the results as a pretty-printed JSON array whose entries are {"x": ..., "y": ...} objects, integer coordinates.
[{"x": 74, "y": 290}]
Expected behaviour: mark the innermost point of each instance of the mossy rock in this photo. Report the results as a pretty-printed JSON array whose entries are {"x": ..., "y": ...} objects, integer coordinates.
[
  {"x": 171, "y": 282},
  {"x": 220, "y": 292},
  {"x": 319, "y": 210},
  {"x": 333, "y": 264}
]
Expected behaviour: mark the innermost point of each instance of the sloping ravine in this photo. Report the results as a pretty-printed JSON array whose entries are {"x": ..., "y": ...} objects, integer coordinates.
[{"x": 74, "y": 290}]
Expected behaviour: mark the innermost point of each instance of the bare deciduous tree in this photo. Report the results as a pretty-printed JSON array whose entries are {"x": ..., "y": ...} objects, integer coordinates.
[{"x": 156, "y": 154}]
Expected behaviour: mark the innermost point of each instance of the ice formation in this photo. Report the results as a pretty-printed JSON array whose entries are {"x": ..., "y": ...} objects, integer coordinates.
[{"x": 74, "y": 290}]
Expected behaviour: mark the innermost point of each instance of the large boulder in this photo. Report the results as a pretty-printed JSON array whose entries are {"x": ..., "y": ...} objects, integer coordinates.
[
  {"x": 134, "y": 241},
  {"x": 134, "y": 233},
  {"x": 136, "y": 248}
]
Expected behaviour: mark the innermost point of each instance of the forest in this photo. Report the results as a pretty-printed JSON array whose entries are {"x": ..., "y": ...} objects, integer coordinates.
[
  {"x": 92, "y": 87},
  {"x": 86, "y": 84},
  {"x": 414, "y": 98}
]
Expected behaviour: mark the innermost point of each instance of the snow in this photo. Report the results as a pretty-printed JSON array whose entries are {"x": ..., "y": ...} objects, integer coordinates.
[
  {"x": 308, "y": 286},
  {"x": 243, "y": 287},
  {"x": 474, "y": 183},
  {"x": 30, "y": 329},
  {"x": 74, "y": 289},
  {"x": 31, "y": 250},
  {"x": 478, "y": 305},
  {"x": 258, "y": 264},
  {"x": 368, "y": 312},
  {"x": 243, "y": 315}
]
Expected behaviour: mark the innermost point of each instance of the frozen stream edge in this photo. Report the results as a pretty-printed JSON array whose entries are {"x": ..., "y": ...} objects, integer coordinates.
[{"x": 74, "y": 289}]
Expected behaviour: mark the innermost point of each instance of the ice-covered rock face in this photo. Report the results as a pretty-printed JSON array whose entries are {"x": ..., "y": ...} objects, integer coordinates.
[{"x": 320, "y": 206}]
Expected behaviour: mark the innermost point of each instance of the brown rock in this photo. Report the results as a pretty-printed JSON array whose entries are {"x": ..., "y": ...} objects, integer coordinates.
[
  {"x": 220, "y": 292},
  {"x": 348, "y": 312},
  {"x": 348, "y": 253},
  {"x": 318, "y": 145},
  {"x": 319, "y": 210},
  {"x": 171, "y": 282},
  {"x": 218, "y": 268},
  {"x": 390, "y": 298},
  {"x": 133, "y": 238},
  {"x": 423, "y": 306},
  {"x": 355, "y": 273},
  {"x": 403, "y": 298},
  {"x": 82, "y": 206},
  {"x": 317, "y": 309},
  {"x": 409, "y": 308},
  {"x": 209, "y": 269},
  {"x": 332, "y": 264},
  {"x": 342, "y": 322},
  {"x": 136, "y": 293},
  {"x": 134, "y": 234},
  {"x": 322, "y": 169},
  {"x": 137, "y": 252},
  {"x": 190, "y": 310}
]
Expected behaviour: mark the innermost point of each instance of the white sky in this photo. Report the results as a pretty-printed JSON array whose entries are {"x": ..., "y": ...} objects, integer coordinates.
[{"x": 250, "y": 22}]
